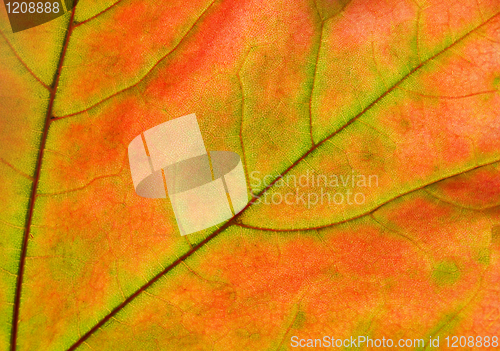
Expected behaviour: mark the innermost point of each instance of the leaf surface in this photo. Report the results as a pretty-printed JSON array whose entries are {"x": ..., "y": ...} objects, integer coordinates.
[{"x": 404, "y": 91}]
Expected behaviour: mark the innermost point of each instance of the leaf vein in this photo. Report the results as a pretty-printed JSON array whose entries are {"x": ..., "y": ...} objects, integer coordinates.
[
  {"x": 34, "y": 188},
  {"x": 147, "y": 73},
  {"x": 77, "y": 24},
  {"x": 24, "y": 63},
  {"x": 371, "y": 211},
  {"x": 235, "y": 218}
]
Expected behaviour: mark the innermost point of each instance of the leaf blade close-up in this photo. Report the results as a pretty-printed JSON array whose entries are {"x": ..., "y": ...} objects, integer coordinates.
[{"x": 394, "y": 102}]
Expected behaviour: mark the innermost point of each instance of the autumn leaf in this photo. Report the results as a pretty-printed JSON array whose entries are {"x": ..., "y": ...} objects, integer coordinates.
[{"x": 395, "y": 100}]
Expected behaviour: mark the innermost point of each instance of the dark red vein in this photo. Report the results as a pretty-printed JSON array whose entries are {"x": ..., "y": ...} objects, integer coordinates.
[
  {"x": 242, "y": 108},
  {"x": 157, "y": 277},
  {"x": 34, "y": 188},
  {"x": 373, "y": 210},
  {"x": 147, "y": 73},
  {"x": 458, "y": 97},
  {"x": 234, "y": 219},
  {"x": 97, "y": 14},
  {"x": 15, "y": 169},
  {"x": 24, "y": 63},
  {"x": 318, "y": 53},
  {"x": 315, "y": 71},
  {"x": 240, "y": 134}
]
